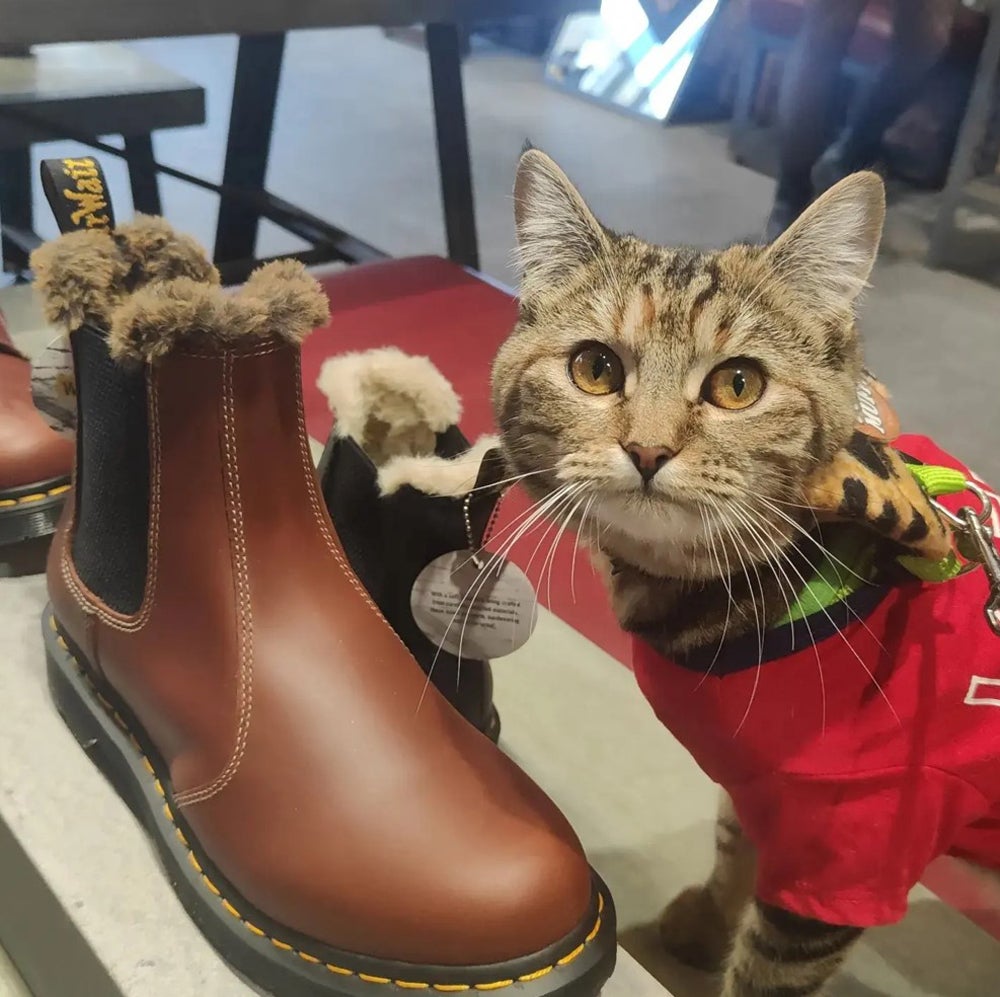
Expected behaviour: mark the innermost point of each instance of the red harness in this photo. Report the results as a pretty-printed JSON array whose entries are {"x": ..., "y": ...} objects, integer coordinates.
[{"x": 854, "y": 764}]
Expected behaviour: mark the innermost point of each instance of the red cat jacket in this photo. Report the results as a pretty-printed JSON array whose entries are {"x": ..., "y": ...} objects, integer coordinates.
[{"x": 846, "y": 791}]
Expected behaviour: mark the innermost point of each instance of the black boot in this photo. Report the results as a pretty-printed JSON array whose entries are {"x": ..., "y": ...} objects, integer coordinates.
[{"x": 399, "y": 478}]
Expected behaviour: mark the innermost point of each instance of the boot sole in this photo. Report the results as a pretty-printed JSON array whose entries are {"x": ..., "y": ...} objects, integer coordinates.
[
  {"x": 269, "y": 955},
  {"x": 31, "y": 511}
]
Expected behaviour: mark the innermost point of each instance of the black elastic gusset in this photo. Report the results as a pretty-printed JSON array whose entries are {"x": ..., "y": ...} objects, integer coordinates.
[{"x": 112, "y": 480}]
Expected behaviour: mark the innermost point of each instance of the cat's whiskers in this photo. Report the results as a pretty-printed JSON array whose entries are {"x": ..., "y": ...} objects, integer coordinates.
[
  {"x": 834, "y": 563},
  {"x": 823, "y": 549},
  {"x": 806, "y": 585},
  {"x": 576, "y": 546},
  {"x": 710, "y": 544},
  {"x": 535, "y": 512},
  {"x": 512, "y": 480},
  {"x": 550, "y": 559},
  {"x": 757, "y": 611},
  {"x": 758, "y": 615},
  {"x": 485, "y": 572},
  {"x": 770, "y": 547},
  {"x": 776, "y": 562},
  {"x": 553, "y": 513}
]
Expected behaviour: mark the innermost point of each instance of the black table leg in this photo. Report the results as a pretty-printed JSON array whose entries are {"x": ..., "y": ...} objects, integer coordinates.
[
  {"x": 255, "y": 93},
  {"x": 444, "y": 49},
  {"x": 142, "y": 174},
  {"x": 15, "y": 204}
]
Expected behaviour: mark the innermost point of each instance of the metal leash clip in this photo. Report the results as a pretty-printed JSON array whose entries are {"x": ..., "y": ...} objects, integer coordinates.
[{"x": 976, "y": 542}]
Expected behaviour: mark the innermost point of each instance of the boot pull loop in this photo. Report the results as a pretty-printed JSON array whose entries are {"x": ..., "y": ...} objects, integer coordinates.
[{"x": 77, "y": 194}]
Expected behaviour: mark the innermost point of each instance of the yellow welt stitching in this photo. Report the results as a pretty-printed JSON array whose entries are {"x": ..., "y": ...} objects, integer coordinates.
[
  {"x": 531, "y": 977},
  {"x": 34, "y": 497},
  {"x": 284, "y": 946},
  {"x": 567, "y": 959},
  {"x": 61, "y": 642},
  {"x": 52, "y": 624},
  {"x": 58, "y": 491},
  {"x": 6, "y": 502}
]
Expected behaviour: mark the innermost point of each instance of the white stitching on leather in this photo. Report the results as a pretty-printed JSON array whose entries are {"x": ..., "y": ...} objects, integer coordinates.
[
  {"x": 309, "y": 470},
  {"x": 235, "y": 502}
]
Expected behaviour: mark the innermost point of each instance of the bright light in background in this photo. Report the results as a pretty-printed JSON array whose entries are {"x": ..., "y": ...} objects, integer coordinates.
[
  {"x": 595, "y": 54},
  {"x": 663, "y": 95},
  {"x": 651, "y": 65},
  {"x": 625, "y": 21},
  {"x": 616, "y": 57}
]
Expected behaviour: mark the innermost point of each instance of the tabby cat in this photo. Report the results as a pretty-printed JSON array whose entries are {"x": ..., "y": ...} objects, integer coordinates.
[{"x": 679, "y": 401}]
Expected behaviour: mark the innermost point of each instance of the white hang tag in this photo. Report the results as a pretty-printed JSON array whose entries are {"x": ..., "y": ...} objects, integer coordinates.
[
  {"x": 471, "y": 611},
  {"x": 53, "y": 386}
]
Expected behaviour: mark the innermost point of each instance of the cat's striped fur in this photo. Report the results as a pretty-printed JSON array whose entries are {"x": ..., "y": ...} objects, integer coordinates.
[{"x": 672, "y": 548}]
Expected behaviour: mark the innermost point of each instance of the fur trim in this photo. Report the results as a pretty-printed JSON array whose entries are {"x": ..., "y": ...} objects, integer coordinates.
[
  {"x": 279, "y": 299},
  {"x": 83, "y": 276},
  {"x": 435, "y": 475},
  {"x": 391, "y": 403}
]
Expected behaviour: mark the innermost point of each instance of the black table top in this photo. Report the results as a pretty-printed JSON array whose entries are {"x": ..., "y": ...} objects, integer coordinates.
[{"x": 31, "y": 22}]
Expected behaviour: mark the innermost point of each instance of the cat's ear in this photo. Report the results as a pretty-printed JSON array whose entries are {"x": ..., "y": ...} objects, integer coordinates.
[
  {"x": 827, "y": 254},
  {"x": 556, "y": 231}
]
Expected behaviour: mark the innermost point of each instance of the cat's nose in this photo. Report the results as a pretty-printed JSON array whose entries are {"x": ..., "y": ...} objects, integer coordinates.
[{"x": 648, "y": 460}]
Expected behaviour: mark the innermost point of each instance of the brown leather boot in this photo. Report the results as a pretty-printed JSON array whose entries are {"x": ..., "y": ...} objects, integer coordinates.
[
  {"x": 35, "y": 461},
  {"x": 211, "y": 649}
]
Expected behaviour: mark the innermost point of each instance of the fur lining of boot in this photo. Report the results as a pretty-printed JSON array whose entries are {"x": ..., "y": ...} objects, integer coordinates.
[
  {"x": 279, "y": 300},
  {"x": 82, "y": 277},
  {"x": 433, "y": 475},
  {"x": 391, "y": 403},
  {"x": 394, "y": 406}
]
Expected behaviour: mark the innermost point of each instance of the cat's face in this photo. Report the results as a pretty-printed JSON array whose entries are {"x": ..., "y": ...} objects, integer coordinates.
[{"x": 686, "y": 395}]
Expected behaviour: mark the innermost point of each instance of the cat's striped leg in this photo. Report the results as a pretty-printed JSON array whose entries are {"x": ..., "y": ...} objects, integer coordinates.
[
  {"x": 699, "y": 925},
  {"x": 779, "y": 954}
]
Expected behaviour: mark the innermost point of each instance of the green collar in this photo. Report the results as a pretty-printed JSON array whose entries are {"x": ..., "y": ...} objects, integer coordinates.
[{"x": 851, "y": 565}]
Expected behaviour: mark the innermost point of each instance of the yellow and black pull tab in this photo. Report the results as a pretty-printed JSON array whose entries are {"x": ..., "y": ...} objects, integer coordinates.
[{"x": 78, "y": 194}]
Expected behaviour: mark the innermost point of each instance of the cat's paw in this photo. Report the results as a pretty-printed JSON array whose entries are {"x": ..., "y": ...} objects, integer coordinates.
[{"x": 694, "y": 931}]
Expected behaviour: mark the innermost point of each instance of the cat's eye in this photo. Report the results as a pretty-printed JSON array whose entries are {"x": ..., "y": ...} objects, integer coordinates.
[
  {"x": 734, "y": 385},
  {"x": 597, "y": 370}
]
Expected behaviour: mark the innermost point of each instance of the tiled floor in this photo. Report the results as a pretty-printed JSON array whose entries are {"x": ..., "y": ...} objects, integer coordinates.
[{"x": 354, "y": 142}]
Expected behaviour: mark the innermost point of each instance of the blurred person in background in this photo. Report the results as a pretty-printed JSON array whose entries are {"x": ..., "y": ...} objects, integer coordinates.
[{"x": 920, "y": 34}]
